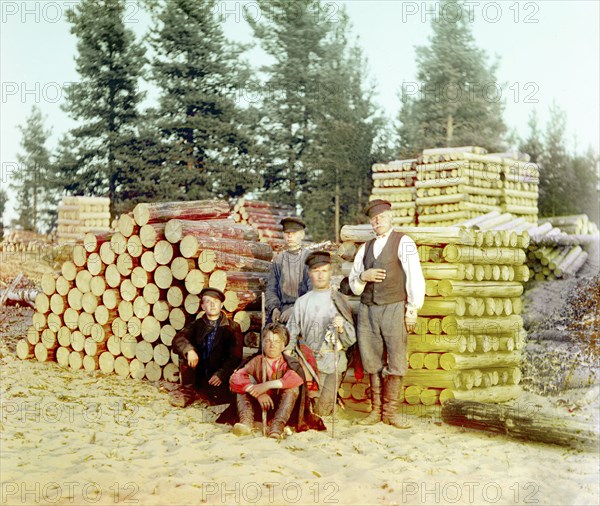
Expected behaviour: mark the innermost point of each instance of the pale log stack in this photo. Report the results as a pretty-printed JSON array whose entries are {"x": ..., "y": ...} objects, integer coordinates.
[
  {"x": 118, "y": 303},
  {"x": 469, "y": 333},
  {"x": 395, "y": 181},
  {"x": 552, "y": 253},
  {"x": 80, "y": 215},
  {"x": 445, "y": 186}
]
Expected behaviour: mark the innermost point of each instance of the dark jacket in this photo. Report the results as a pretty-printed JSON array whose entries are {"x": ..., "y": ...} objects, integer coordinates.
[{"x": 227, "y": 349}]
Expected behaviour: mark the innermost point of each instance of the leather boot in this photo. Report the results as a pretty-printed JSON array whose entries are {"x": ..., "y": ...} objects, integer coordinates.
[
  {"x": 246, "y": 416},
  {"x": 284, "y": 411},
  {"x": 375, "y": 415},
  {"x": 391, "y": 402}
]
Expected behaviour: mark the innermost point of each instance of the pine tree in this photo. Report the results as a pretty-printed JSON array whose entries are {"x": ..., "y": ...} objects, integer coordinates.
[
  {"x": 346, "y": 126},
  {"x": 458, "y": 98},
  {"x": 294, "y": 35},
  {"x": 104, "y": 101},
  {"x": 206, "y": 137},
  {"x": 533, "y": 145},
  {"x": 30, "y": 183}
]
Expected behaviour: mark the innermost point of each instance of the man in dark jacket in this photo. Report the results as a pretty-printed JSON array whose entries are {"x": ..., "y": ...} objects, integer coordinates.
[{"x": 211, "y": 348}]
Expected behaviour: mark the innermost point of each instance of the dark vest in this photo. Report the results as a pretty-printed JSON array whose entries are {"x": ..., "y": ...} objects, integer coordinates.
[{"x": 393, "y": 288}]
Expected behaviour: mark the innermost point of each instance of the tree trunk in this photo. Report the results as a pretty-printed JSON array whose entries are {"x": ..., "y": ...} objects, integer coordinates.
[{"x": 194, "y": 210}]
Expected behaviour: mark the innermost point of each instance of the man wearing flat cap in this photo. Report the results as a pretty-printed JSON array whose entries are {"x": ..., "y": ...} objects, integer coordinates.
[
  {"x": 322, "y": 320},
  {"x": 388, "y": 277},
  {"x": 210, "y": 348},
  {"x": 288, "y": 279}
]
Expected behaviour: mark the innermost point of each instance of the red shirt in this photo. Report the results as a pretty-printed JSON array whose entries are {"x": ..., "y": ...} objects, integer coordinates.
[{"x": 252, "y": 373}]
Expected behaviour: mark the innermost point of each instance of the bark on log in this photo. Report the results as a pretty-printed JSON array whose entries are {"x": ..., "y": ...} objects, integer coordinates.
[
  {"x": 521, "y": 422},
  {"x": 210, "y": 260},
  {"x": 193, "y": 210},
  {"x": 193, "y": 231}
]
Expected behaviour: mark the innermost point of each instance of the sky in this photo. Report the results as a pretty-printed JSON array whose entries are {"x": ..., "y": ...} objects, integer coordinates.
[{"x": 548, "y": 51}]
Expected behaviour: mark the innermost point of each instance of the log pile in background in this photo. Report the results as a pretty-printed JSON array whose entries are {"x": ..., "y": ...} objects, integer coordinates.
[
  {"x": 24, "y": 241},
  {"x": 520, "y": 187},
  {"x": 265, "y": 218},
  {"x": 469, "y": 332},
  {"x": 551, "y": 253},
  {"x": 456, "y": 184},
  {"x": 118, "y": 303},
  {"x": 395, "y": 181},
  {"x": 80, "y": 215}
]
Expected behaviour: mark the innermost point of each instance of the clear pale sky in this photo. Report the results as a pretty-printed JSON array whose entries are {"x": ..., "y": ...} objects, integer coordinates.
[{"x": 548, "y": 50}]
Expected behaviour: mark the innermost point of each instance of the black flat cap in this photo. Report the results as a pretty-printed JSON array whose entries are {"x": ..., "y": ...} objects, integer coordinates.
[
  {"x": 376, "y": 207},
  {"x": 212, "y": 292},
  {"x": 292, "y": 224},
  {"x": 318, "y": 258}
]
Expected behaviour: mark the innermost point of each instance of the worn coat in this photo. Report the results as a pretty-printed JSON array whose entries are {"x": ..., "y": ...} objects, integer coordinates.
[{"x": 227, "y": 349}]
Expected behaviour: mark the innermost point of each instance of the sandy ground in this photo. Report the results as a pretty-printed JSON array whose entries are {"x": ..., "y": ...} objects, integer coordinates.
[{"x": 78, "y": 438}]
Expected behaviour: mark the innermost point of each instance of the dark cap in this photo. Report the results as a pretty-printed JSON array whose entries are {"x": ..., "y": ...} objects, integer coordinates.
[
  {"x": 212, "y": 292},
  {"x": 318, "y": 258},
  {"x": 292, "y": 224},
  {"x": 376, "y": 207}
]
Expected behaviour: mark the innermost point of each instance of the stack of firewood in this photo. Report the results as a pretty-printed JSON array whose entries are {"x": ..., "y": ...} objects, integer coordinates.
[
  {"x": 395, "y": 182},
  {"x": 79, "y": 215},
  {"x": 118, "y": 303},
  {"x": 551, "y": 253},
  {"x": 461, "y": 183},
  {"x": 469, "y": 332},
  {"x": 24, "y": 240},
  {"x": 520, "y": 187},
  {"x": 265, "y": 218}
]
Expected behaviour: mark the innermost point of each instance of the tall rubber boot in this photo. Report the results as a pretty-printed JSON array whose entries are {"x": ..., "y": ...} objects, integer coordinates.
[
  {"x": 284, "y": 411},
  {"x": 391, "y": 402},
  {"x": 375, "y": 415},
  {"x": 245, "y": 414}
]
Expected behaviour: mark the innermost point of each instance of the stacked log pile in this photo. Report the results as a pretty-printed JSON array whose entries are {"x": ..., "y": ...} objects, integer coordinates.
[
  {"x": 454, "y": 184},
  {"x": 79, "y": 215},
  {"x": 469, "y": 334},
  {"x": 520, "y": 188},
  {"x": 24, "y": 241},
  {"x": 265, "y": 218},
  {"x": 395, "y": 181},
  {"x": 551, "y": 254},
  {"x": 118, "y": 303}
]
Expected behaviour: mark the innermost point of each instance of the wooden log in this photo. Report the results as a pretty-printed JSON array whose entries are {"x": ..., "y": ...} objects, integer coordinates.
[
  {"x": 106, "y": 362},
  {"x": 151, "y": 293},
  {"x": 500, "y": 325},
  {"x": 180, "y": 267},
  {"x": 153, "y": 371},
  {"x": 167, "y": 333},
  {"x": 209, "y": 260},
  {"x": 198, "y": 243},
  {"x": 25, "y": 350},
  {"x": 141, "y": 307},
  {"x": 151, "y": 233},
  {"x": 452, "y": 288},
  {"x": 137, "y": 369},
  {"x": 76, "y": 360},
  {"x": 118, "y": 243},
  {"x": 150, "y": 329},
  {"x": 112, "y": 276},
  {"x": 89, "y": 302},
  {"x": 162, "y": 277},
  {"x": 92, "y": 241},
  {"x": 107, "y": 255},
  {"x": 192, "y": 210},
  {"x": 121, "y": 366},
  {"x": 436, "y": 343},
  {"x": 163, "y": 252},
  {"x": 147, "y": 261},
  {"x": 195, "y": 281},
  {"x": 452, "y": 361},
  {"x": 239, "y": 281},
  {"x": 521, "y": 422},
  {"x": 144, "y": 352},
  {"x": 177, "y": 318},
  {"x": 63, "y": 285},
  {"x": 126, "y": 225},
  {"x": 433, "y": 236},
  {"x": 192, "y": 304},
  {"x": 125, "y": 310},
  {"x": 195, "y": 231},
  {"x": 128, "y": 346}
]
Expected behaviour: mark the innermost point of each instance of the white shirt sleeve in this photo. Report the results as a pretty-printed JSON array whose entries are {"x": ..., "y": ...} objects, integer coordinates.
[
  {"x": 415, "y": 282},
  {"x": 356, "y": 285}
]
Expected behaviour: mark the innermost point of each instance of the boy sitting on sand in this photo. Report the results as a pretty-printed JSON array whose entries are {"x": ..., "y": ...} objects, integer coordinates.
[{"x": 274, "y": 382}]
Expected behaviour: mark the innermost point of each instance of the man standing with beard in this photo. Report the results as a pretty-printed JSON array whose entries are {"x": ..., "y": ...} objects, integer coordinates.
[
  {"x": 388, "y": 277},
  {"x": 288, "y": 279}
]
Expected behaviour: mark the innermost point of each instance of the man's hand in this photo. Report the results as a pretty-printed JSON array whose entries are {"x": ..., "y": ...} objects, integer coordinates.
[
  {"x": 257, "y": 390},
  {"x": 192, "y": 358},
  {"x": 265, "y": 402},
  {"x": 215, "y": 381},
  {"x": 373, "y": 275},
  {"x": 338, "y": 323},
  {"x": 284, "y": 316},
  {"x": 410, "y": 321},
  {"x": 275, "y": 315}
]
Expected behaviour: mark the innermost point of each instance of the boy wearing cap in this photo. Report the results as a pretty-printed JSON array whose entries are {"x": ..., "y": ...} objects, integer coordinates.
[
  {"x": 288, "y": 278},
  {"x": 322, "y": 320},
  {"x": 388, "y": 277},
  {"x": 211, "y": 348}
]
